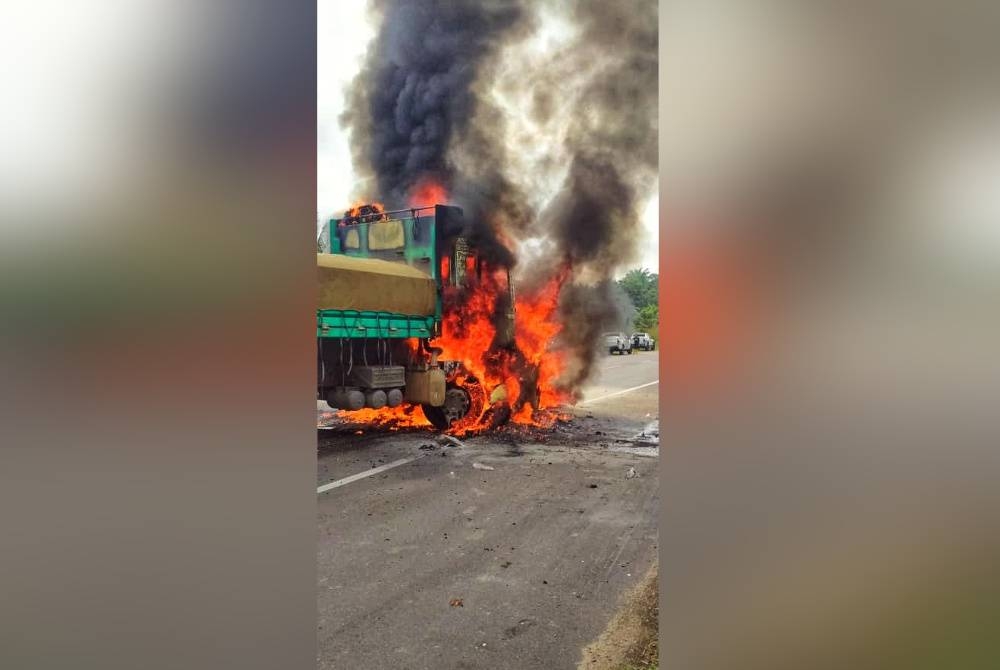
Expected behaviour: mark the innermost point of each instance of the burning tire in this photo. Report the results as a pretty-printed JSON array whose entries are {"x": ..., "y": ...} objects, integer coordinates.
[{"x": 460, "y": 406}]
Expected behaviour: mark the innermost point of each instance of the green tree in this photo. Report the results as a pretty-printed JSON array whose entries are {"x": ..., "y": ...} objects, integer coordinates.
[
  {"x": 648, "y": 321},
  {"x": 642, "y": 287}
]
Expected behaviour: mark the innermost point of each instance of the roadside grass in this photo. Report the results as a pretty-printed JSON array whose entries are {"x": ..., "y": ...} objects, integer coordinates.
[
  {"x": 644, "y": 653},
  {"x": 630, "y": 642}
]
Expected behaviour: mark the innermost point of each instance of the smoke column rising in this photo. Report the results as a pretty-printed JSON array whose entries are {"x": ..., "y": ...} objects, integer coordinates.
[
  {"x": 423, "y": 107},
  {"x": 415, "y": 94}
]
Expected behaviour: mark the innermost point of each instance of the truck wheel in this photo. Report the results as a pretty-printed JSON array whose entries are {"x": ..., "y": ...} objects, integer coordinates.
[
  {"x": 457, "y": 405},
  {"x": 435, "y": 415}
]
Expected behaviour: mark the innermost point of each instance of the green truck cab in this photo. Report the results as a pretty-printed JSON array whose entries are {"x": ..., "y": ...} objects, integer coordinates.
[{"x": 382, "y": 282}]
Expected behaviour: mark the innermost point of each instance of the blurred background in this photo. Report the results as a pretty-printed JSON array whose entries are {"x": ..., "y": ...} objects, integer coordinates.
[
  {"x": 830, "y": 264},
  {"x": 157, "y": 190},
  {"x": 830, "y": 267}
]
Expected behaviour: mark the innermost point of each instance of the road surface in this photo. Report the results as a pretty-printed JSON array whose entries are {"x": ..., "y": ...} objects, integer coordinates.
[{"x": 508, "y": 552}]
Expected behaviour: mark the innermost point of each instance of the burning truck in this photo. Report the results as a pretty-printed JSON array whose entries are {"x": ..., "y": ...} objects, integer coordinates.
[{"x": 411, "y": 315}]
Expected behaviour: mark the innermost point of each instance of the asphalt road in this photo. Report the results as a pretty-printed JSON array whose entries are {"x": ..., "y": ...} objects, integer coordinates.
[{"x": 436, "y": 562}]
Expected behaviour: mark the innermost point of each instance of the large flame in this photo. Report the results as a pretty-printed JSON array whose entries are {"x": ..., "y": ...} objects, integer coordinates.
[
  {"x": 393, "y": 418},
  {"x": 510, "y": 376},
  {"x": 427, "y": 192},
  {"x": 518, "y": 377}
]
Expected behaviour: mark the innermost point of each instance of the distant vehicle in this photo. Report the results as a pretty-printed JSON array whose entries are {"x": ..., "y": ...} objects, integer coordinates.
[
  {"x": 643, "y": 341},
  {"x": 617, "y": 342}
]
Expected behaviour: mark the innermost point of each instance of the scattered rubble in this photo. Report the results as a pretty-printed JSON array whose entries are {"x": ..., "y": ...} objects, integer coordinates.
[
  {"x": 480, "y": 466},
  {"x": 568, "y": 428},
  {"x": 449, "y": 441},
  {"x": 650, "y": 435},
  {"x": 456, "y": 602}
]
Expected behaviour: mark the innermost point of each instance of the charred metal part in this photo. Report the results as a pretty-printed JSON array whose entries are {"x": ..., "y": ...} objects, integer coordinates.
[
  {"x": 434, "y": 352},
  {"x": 457, "y": 403},
  {"x": 452, "y": 368}
]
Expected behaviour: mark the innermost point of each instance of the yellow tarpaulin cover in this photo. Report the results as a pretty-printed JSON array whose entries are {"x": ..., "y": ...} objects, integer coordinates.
[
  {"x": 373, "y": 284},
  {"x": 386, "y": 235}
]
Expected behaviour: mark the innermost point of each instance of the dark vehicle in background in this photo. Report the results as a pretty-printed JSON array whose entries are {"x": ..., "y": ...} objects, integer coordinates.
[
  {"x": 643, "y": 341},
  {"x": 617, "y": 343}
]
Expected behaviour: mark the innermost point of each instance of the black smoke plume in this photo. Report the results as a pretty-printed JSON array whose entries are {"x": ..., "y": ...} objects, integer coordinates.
[
  {"x": 415, "y": 96},
  {"x": 612, "y": 142},
  {"x": 422, "y": 108}
]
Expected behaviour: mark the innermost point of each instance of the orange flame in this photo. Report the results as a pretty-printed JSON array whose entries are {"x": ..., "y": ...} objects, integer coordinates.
[
  {"x": 528, "y": 367},
  {"x": 406, "y": 416},
  {"x": 427, "y": 192},
  {"x": 524, "y": 362},
  {"x": 355, "y": 210}
]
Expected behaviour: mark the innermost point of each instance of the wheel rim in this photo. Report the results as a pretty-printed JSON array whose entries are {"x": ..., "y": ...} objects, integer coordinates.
[{"x": 456, "y": 404}]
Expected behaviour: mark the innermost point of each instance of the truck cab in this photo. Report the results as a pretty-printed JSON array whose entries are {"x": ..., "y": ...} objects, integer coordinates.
[{"x": 386, "y": 284}]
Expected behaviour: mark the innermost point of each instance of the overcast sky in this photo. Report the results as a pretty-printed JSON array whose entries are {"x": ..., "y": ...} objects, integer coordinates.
[{"x": 343, "y": 34}]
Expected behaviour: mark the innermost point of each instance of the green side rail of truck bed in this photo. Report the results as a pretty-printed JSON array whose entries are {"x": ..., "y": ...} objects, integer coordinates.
[{"x": 337, "y": 323}]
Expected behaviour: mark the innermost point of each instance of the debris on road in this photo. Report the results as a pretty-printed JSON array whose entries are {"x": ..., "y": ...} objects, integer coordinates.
[
  {"x": 593, "y": 486},
  {"x": 631, "y": 473},
  {"x": 448, "y": 440},
  {"x": 428, "y": 447},
  {"x": 650, "y": 435},
  {"x": 456, "y": 602},
  {"x": 480, "y": 466}
]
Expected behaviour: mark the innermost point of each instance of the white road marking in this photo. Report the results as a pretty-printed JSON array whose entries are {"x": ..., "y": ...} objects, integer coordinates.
[
  {"x": 367, "y": 473},
  {"x": 622, "y": 392}
]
